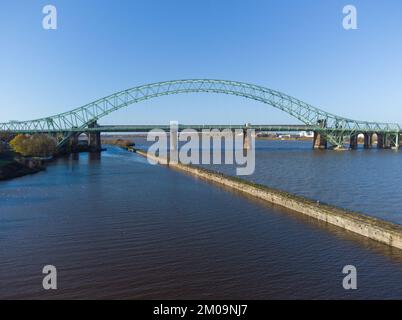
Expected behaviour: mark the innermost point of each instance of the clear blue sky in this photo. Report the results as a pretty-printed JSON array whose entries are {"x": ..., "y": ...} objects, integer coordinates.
[{"x": 296, "y": 46}]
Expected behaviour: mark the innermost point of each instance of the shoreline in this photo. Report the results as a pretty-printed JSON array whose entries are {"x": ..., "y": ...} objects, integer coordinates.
[
  {"x": 14, "y": 169},
  {"x": 23, "y": 166},
  {"x": 373, "y": 228}
]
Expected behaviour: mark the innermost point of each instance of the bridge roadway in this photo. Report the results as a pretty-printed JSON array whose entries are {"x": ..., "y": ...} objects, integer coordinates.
[
  {"x": 181, "y": 127},
  {"x": 94, "y": 133}
]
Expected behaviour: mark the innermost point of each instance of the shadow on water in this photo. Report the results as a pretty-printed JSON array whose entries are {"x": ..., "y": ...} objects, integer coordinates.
[{"x": 94, "y": 157}]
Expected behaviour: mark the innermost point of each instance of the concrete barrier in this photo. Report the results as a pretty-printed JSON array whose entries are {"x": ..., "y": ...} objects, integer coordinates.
[{"x": 370, "y": 227}]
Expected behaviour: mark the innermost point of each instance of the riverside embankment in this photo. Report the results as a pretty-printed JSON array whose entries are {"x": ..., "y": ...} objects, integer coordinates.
[
  {"x": 14, "y": 169},
  {"x": 370, "y": 227}
]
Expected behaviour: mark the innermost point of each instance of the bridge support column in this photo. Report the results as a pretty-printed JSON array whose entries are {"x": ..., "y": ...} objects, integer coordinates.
[
  {"x": 246, "y": 140},
  {"x": 354, "y": 141},
  {"x": 396, "y": 145},
  {"x": 319, "y": 141},
  {"x": 393, "y": 140},
  {"x": 380, "y": 141},
  {"x": 94, "y": 142},
  {"x": 387, "y": 143},
  {"x": 368, "y": 140},
  {"x": 74, "y": 143},
  {"x": 94, "y": 139}
]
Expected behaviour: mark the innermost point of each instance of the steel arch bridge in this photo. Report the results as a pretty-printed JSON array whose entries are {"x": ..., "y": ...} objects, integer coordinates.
[{"x": 332, "y": 127}]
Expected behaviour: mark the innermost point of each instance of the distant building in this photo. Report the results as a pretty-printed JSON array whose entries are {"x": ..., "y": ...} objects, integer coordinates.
[{"x": 306, "y": 134}]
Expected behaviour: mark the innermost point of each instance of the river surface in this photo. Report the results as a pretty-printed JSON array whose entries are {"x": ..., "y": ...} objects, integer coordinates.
[
  {"x": 367, "y": 181},
  {"x": 117, "y": 227}
]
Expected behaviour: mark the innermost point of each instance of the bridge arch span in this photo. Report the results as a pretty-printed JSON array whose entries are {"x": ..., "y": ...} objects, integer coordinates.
[{"x": 329, "y": 125}]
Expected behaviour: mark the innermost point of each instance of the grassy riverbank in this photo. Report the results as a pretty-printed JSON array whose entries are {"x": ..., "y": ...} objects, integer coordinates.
[{"x": 119, "y": 142}]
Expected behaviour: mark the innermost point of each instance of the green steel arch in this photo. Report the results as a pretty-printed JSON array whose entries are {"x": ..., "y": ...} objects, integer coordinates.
[{"x": 333, "y": 127}]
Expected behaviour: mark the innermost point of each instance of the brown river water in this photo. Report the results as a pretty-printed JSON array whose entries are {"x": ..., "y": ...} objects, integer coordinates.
[{"x": 117, "y": 227}]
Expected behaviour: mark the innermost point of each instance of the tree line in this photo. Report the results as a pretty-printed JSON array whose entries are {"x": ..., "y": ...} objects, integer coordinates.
[{"x": 37, "y": 145}]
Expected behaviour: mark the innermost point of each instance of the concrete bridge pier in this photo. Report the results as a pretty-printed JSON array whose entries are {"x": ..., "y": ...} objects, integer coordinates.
[
  {"x": 354, "y": 141},
  {"x": 393, "y": 140},
  {"x": 94, "y": 142},
  {"x": 319, "y": 141},
  {"x": 74, "y": 143},
  {"x": 94, "y": 139},
  {"x": 368, "y": 140},
  {"x": 246, "y": 140},
  {"x": 380, "y": 140},
  {"x": 397, "y": 143},
  {"x": 387, "y": 141}
]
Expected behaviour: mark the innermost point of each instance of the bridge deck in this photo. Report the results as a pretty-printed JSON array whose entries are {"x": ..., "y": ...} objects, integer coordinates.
[{"x": 181, "y": 127}]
